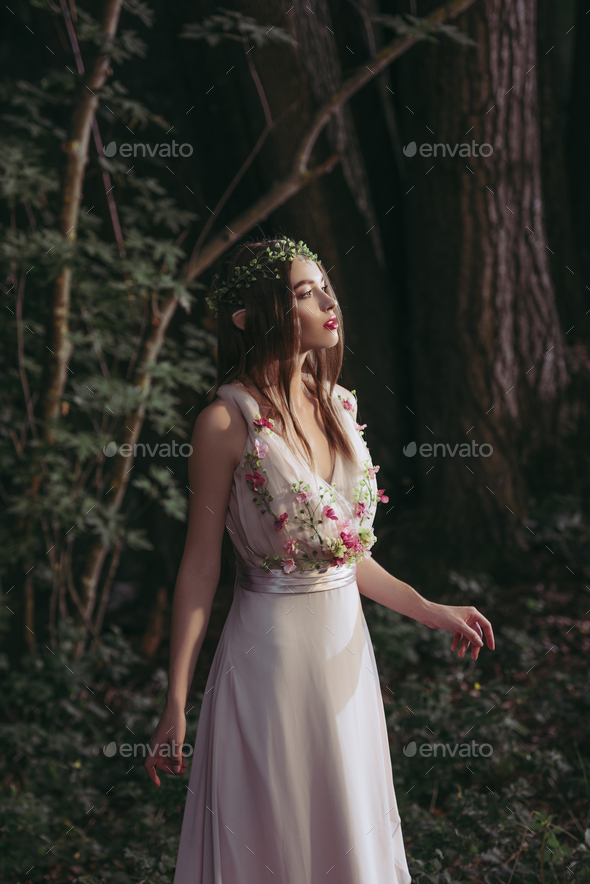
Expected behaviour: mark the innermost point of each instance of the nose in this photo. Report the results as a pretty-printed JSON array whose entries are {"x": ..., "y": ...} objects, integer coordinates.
[{"x": 329, "y": 301}]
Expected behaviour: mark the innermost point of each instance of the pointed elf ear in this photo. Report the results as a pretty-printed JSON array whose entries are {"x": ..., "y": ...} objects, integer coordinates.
[{"x": 239, "y": 318}]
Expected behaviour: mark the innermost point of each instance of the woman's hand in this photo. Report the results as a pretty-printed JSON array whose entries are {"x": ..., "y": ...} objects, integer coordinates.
[
  {"x": 166, "y": 745},
  {"x": 465, "y": 622}
]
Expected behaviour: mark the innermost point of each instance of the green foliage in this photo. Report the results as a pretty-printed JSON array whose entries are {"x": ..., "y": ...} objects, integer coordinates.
[
  {"x": 57, "y": 493},
  {"x": 227, "y": 22},
  {"x": 78, "y": 814},
  {"x": 411, "y": 26},
  {"x": 68, "y": 809},
  {"x": 464, "y": 817}
]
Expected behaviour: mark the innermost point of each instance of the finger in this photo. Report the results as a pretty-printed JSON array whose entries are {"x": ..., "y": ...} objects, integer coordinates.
[
  {"x": 473, "y": 635},
  {"x": 150, "y": 767},
  {"x": 162, "y": 761},
  {"x": 463, "y": 646},
  {"x": 488, "y": 631},
  {"x": 456, "y": 639},
  {"x": 167, "y": 765},
  {"x": 176, "y": 756}
]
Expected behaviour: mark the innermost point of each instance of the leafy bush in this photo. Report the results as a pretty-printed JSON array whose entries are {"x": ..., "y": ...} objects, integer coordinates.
[{"x": 70, "y": 812}]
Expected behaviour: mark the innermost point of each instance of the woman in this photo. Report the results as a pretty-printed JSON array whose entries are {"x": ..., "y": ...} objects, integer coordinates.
[{"x": 291, "y": 780}]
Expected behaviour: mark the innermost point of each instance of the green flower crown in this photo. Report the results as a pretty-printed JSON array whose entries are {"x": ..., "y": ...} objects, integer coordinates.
[{"x": 258, "y": 267}]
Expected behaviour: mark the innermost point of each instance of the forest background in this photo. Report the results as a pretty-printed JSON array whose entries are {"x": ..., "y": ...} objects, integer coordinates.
[{"x": 433, "y": 156}]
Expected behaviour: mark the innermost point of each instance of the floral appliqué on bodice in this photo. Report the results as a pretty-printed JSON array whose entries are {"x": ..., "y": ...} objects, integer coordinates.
[{"x": 320, "y": 519}]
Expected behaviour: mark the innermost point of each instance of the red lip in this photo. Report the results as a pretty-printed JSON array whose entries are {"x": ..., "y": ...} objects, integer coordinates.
[{"x": 331, "y": 324}]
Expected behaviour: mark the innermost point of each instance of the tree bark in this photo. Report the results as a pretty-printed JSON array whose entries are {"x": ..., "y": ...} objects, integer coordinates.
[
  {"x": 553, "y": 76},
  {"x": 295, "y": 177},
  {"x": 578, "y": 133},
  {"x": 489, "y": 353},
  {"x": 76, "y": 148}
]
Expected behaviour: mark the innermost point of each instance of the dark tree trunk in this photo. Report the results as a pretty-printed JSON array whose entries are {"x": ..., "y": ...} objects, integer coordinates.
[
  {"x": 489, "y": 352},
  {"x": 577, "y": 136},
  {"x": 337, "y": 212},
  {"x": 553, "y": 72}
]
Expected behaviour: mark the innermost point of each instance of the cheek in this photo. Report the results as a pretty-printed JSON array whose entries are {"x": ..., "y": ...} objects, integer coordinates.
[{"x": 305, "y": 315}]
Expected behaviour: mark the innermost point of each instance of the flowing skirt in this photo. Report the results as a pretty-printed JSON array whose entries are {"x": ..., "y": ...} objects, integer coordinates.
[{"x": 291, "y": 778}]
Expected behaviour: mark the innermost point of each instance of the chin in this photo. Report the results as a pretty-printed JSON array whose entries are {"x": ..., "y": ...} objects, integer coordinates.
[
  {"x": 326, "y": 346},
  {"x": 321, "y": 341}
]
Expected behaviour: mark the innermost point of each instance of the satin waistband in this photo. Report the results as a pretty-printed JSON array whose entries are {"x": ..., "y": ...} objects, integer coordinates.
[{"x": 262, "y": 580}]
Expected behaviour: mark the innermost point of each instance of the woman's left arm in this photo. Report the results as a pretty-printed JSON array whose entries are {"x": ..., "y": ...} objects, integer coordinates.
[{"x": 464, "y": 621}]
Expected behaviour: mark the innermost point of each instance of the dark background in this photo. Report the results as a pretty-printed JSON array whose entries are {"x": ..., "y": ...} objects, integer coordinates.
[{"x": 465, "y": 287}]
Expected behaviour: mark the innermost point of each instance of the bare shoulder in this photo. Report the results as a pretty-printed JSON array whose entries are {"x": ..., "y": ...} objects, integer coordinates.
[
  {"x": 346, "y": 394},
  {"x": 222, "y": 429},
  {"x": 218, "y": 439}
]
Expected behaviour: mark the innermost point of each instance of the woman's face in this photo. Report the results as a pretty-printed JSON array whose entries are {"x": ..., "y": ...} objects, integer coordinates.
[{"x": 314, "y": 305}]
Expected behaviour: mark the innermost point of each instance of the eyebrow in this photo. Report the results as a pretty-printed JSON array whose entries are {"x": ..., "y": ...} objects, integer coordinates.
[{"x": 307, "y": 282}]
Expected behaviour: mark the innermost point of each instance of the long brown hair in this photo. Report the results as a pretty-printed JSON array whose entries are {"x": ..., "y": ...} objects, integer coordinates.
[{"x": 271, "y": 338}]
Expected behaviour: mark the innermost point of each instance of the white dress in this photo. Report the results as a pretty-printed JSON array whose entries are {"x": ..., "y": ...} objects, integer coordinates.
[{"x": 291, "y": 778}]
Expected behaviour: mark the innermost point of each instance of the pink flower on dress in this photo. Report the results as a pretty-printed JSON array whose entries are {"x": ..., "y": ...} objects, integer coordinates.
[
  {"x": 382, "y": 495},
  {"x": 347, "y": 538},
  {"x": 361, "y": 509},
  {"x": 288, "y": 565},
  {"x": 256, "y": 480},
  {"x": 351, "y": 541},
  {"x": 329, "y": 513},
  {"x": 372, "y": 471},
  {"x": 280, "y": 522},
  {"x": 290, "y": 546},
  {"x": 263, "y": 422},
  {"x": 359, "y": 426},
  {"x": 261, "y": 448},
  {"x": 303, "y": 496},
  {"x": 343, "y": 524},
  {"x": 348, "y": 404}
]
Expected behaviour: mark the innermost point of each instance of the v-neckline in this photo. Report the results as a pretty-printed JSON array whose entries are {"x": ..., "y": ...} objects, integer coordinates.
[{"x": 290, "y": 450}]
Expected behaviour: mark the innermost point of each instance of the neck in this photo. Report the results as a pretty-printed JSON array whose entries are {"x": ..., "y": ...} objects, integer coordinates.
[{"x": 298, "y": 397}]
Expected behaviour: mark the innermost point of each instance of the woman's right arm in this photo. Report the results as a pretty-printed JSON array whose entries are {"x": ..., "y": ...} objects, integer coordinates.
[{"x": 218, "y": 440}]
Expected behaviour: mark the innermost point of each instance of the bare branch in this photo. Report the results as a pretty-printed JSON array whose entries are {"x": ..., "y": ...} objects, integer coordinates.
[
  {"x": 77, "y": 157},
  {"x": 300, "y": 174},
  {"x": 237, "y": 178}
]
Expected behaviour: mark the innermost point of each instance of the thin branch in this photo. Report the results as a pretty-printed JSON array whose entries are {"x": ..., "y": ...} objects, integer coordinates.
[
  {"x": 383, "y": 83},
  {"x": 73, "y": 593},
  {"x": 259, "y": 88},
  {"x": 300, "y": 174},
  {"x": 106, "y": 178},
  {"x": 137, "y": 345},
  {"x": 279, "y": 194},
  {"x": 77, "y": 156},
  {"x": 106, "y": 590},
  {"x": 121, "y": 468},
  {"x": 237, "y": 178},
  {"x": 21, "y": 360},
  {"x": 95, "y": 343}
]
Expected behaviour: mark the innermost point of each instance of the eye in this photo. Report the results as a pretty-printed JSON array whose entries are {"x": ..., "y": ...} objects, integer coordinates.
[{"x": 305, "y": 294}]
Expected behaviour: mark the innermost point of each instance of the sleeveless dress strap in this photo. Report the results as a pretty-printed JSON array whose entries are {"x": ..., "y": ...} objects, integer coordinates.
[{"x": 241, "y": 398}]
